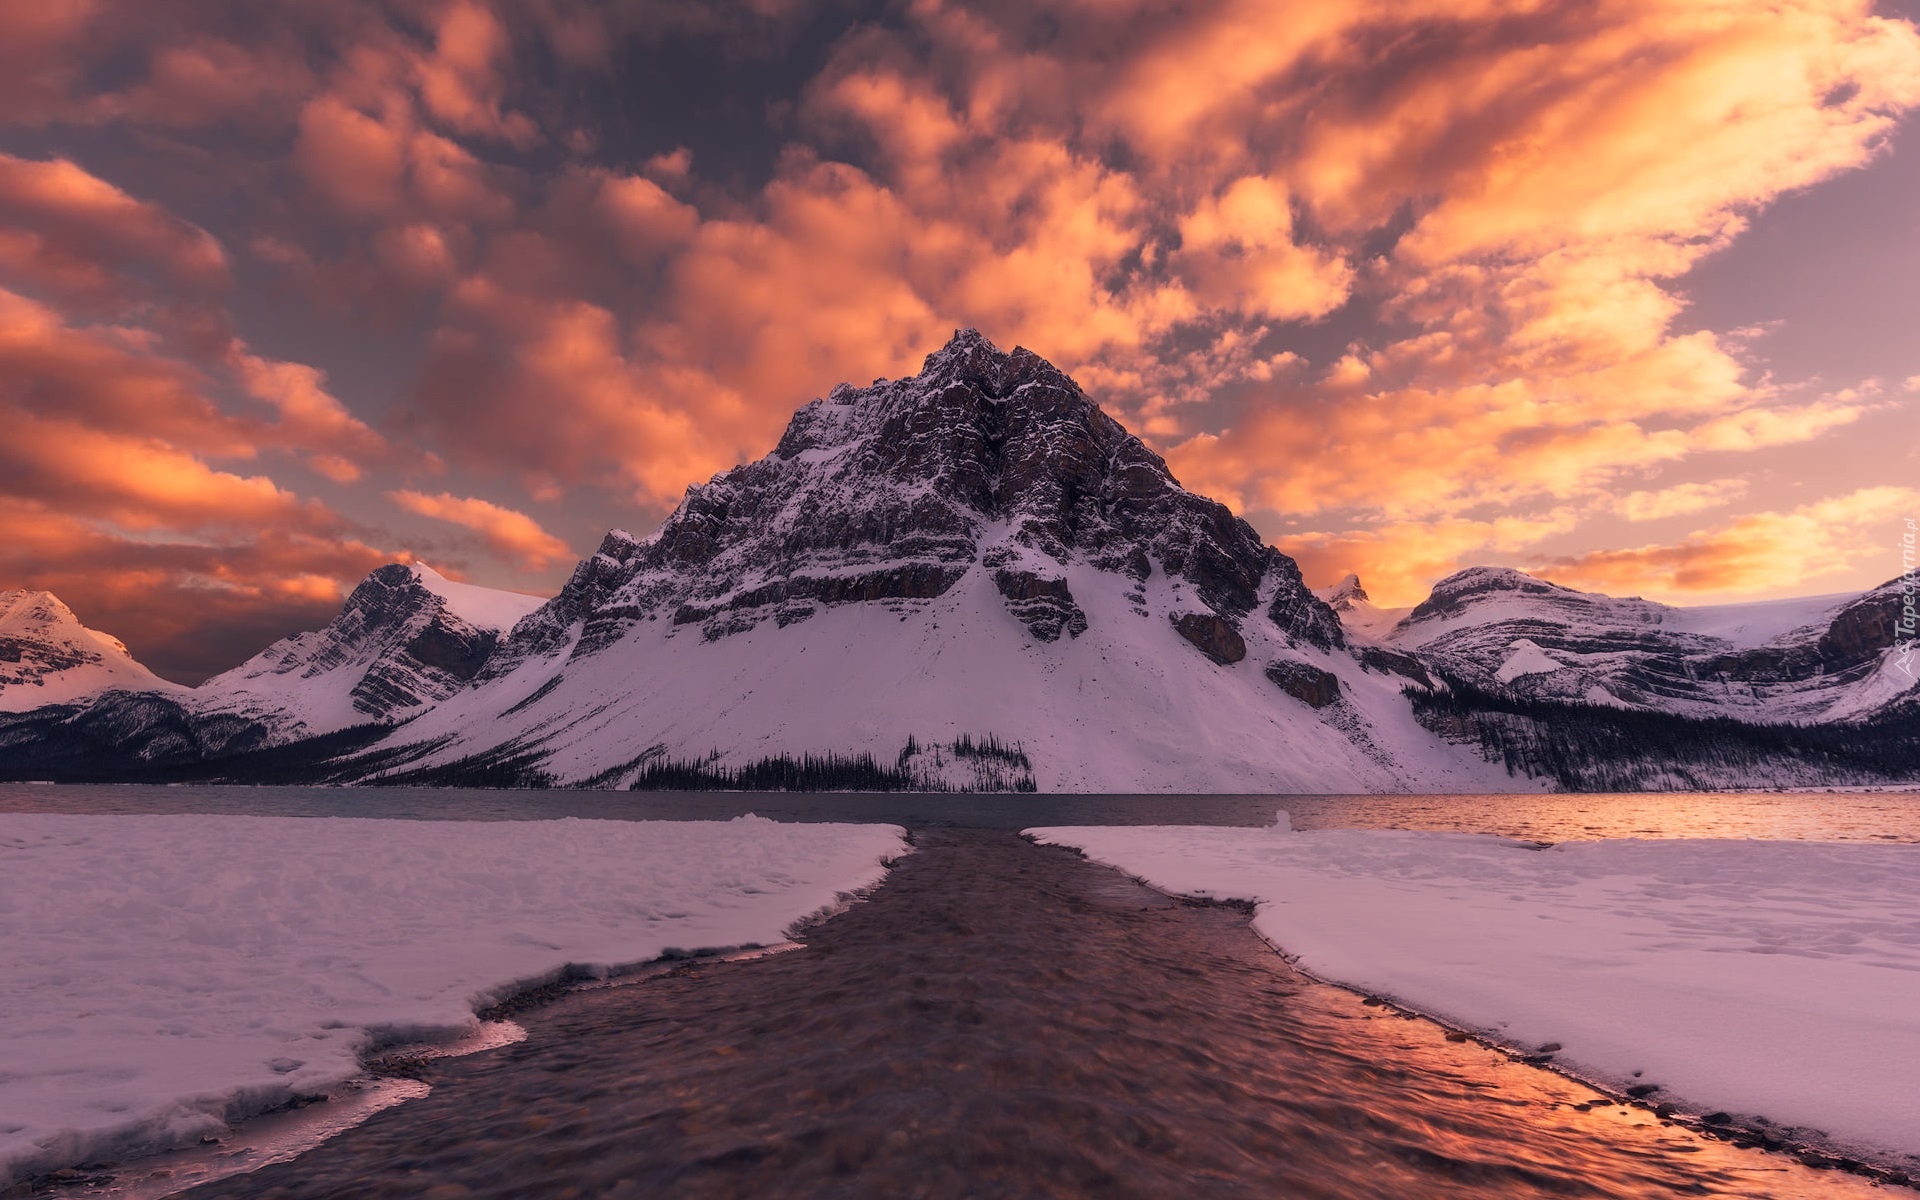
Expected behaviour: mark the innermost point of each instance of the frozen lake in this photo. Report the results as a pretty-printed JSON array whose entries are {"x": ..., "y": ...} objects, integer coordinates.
[{"x": 249, "y": 912}]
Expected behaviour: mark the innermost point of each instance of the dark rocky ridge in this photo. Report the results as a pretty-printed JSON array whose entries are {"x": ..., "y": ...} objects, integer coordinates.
[
  {"x": 1392, "y": 662},
  {"x": 410, "y": 647},
  {"x": 892, "y": 493},
  {"x": 119, "y": 735}
]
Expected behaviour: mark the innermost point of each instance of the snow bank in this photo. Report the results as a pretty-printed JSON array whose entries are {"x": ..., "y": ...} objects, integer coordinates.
[
  {"x": 162, "y": 973},
  {"x": 484, "y": 607},
  {"x": 1772, "y": 978}
]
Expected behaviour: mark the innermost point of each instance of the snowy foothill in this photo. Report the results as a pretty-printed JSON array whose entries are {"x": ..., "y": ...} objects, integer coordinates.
[
  {"x": 1762, "y": 978},
  {"x": 164, "y": 974}
]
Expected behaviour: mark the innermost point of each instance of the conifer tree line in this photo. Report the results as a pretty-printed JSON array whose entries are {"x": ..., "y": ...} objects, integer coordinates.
[
  {"x": 1602, "y": 748},
  {"x": 1006, "y": 769}
]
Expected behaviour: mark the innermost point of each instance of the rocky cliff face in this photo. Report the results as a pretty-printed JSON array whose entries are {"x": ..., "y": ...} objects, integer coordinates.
[
  {"x": 404, "y": 640},
  {"x": 889, "y": 494}
]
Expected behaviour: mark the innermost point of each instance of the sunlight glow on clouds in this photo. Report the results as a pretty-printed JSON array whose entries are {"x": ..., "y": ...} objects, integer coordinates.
[
  {"x": 512, "y": 534},
  {"x": 1810, "y": 543},
  {"x": 1396, "y": 277}
]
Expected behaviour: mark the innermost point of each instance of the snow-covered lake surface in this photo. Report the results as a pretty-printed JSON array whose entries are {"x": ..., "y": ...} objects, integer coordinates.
[
  {"x": 164, "y": 973},
  {"x": 1770, "y": 978}
]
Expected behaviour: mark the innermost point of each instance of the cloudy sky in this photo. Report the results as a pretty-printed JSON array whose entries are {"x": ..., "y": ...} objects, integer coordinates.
[{"x": 1622, "y": 292}]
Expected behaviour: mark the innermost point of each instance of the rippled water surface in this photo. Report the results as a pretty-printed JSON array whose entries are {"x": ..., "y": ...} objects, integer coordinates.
[
  {"x": 1003, "y": 1019},
  {"x": 1822, "y": 816}
]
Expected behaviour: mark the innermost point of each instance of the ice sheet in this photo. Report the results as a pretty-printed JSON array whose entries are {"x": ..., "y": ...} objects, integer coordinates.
[
  {"x": 1773, "y": 978},
  {"x": 165, "y": 973}
]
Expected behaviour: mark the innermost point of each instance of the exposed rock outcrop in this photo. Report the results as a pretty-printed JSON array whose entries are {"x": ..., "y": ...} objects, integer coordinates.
[
  {"x": 1212, "y": 636},
  {"x": 1305, "y": 682},
  {"x": 1044, "y": 606},
  {"x": 406, "y": 638}
]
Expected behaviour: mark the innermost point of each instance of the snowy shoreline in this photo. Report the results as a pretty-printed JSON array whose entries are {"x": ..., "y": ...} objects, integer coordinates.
[
  {"x": 168, "y": 975},
  {"x": 1745, "y": 979}
]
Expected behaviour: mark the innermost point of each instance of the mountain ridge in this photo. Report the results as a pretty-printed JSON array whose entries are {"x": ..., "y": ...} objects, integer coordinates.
[{"x": 973, "y": 577}]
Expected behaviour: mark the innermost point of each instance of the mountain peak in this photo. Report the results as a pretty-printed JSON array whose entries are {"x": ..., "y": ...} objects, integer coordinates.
[
  {"x": 966, "y": 345},
  {"x": 969, "y": 359},
  {"x": 406, "y": 637},
  {"x": 48, "y": 657},
  {"x": 26, "y": 604},
  {"x": 986, "y": 460},
  {"x": 483, "y": 607},
  {"x": 1342, "y": 595}
]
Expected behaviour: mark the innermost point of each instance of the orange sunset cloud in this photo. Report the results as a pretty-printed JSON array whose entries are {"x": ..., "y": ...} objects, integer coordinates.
[{"x": 1414, "y": 284}]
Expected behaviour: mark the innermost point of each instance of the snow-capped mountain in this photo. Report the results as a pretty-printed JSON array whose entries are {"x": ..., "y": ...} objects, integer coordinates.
[
  {"x": 48, "y": 657},
  {"x": 1360, "y": 616},
  {"x": 1821, "y": 658},
  {"x": 974, "y": 578},
  {"x": 973, "y": 556},
  {"x": 407, "y": 637}
]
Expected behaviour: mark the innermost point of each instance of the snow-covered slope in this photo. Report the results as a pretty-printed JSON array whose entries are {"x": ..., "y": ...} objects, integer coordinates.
[
  {"x": 48, "y": 657},
  {"x": 406, "y": 638},
  {"x": 976, "y": 552},
  {"x": 1821, "y": 658}
]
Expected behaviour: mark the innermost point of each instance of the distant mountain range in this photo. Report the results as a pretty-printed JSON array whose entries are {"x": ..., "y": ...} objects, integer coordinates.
[{"x": 974, "y": 579}]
